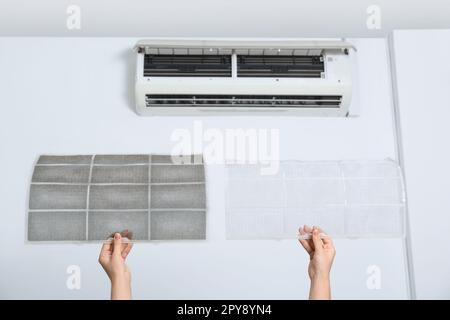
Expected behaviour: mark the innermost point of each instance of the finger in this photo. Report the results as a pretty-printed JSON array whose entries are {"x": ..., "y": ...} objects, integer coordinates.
[
  {"x": 327, "y": 241},
  {"x": 130, "y": 237},
  {"x": 126, "y": 245},
  {"x": 305, "y": 244},
  {"x": 105, "y": 250},
  {"x": 309, "y": 229},
  {"x": 127, "y": 250},
  {"x": 112, "y": 234},
  {"x": 111, "y": 237},
  {"x": 117, "y": 244},
  {"x": 301, "y": 231},
  {"x": 124, "y": 233},
  {"x": 127, "y": 234},
  {"x": 318, "y": 245}
]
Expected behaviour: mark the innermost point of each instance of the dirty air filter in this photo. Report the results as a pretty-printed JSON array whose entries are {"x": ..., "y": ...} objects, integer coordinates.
[
  {"x": 347, "y": 199},
  {"x": 88, "y": 197}
]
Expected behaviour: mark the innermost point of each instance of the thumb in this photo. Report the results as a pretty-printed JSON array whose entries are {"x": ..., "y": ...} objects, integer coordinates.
[
  {"x": 318, "y": 246},
  {"x": 117, "y": 244}
]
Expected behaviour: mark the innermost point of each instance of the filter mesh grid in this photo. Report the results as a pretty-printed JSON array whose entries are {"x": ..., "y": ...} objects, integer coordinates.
[
  {"x": 88, "y": 197},
  {"x": 346, "y": 198}
]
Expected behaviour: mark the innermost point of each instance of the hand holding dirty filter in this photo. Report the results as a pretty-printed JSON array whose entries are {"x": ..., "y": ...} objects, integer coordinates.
[{"x": 112, "y": 259}]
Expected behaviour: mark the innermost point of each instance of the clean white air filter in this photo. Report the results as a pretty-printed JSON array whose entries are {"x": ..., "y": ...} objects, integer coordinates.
[{"x": 345, "y": 198}]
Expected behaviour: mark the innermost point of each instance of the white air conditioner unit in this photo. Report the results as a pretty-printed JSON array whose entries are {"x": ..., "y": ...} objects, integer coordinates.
[{"x": 243, "y": 77}]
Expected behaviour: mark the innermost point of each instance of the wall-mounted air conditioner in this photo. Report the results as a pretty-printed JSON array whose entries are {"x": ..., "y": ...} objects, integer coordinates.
[{"x": 243, "y": 76}]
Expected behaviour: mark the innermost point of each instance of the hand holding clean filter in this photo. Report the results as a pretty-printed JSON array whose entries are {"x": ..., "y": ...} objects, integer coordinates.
[{"x": 321, "y": 253}]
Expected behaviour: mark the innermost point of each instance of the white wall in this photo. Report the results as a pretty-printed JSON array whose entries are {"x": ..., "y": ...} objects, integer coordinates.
[
  {"x": 223, "y": 18},
  {"x": 75, "y": 96},
  {"x": 423, "y": 82}
]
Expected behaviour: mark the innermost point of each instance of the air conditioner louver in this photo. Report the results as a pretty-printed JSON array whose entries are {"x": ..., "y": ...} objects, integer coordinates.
[
  {"x": 280, "y": 66},
  {"x": 256, "y": 101}
]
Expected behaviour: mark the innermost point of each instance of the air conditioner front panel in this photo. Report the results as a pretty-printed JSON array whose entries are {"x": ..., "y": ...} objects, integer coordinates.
[{"x": 241, "y": 86}]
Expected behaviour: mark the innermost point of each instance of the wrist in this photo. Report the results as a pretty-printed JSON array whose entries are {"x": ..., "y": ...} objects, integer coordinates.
[
  {"x": 320, "y": 287},
  {"x": 120, "y": 280},
  {"x": 120, "y": 289},
  {"x": 320, "y": 277}
]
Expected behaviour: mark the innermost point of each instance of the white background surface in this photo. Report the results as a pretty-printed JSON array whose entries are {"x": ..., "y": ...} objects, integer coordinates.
[
  {"x": 423, "y": 77},
  {"x": 75, "y": 96},
  {"x": 223, "y": 18}
]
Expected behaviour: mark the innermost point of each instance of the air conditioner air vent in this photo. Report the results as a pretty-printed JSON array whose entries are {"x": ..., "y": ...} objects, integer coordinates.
[
  {"x": 187, "y": 65},
  {"x": 247, "y": 101},
  {"x": 280, "y": 66}
]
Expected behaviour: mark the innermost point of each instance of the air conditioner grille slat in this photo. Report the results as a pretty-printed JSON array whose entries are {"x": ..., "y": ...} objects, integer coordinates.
[
  {"x": 256, "y": 101},
  {"x": 187, "y": 65}
]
